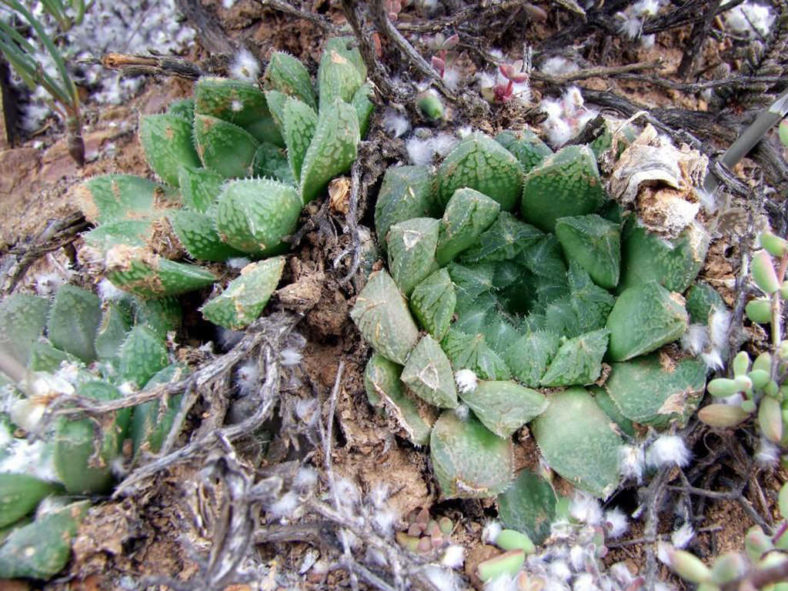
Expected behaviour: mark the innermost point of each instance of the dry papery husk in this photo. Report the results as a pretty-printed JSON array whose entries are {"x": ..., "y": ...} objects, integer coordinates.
[{"x": 660, "y": 181}]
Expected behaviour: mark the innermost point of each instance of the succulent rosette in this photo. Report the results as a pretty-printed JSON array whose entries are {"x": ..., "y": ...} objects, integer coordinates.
[{"x": 517, "y": 292}]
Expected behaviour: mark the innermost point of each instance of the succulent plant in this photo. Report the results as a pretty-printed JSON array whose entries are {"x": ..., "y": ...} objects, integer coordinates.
[
  {"x": 77, "y": 344},
  {"x": 761, "y": 553},
  {"x": 759, "y": 388},
  {"x": 509, "y": 268},
  {"x": 237, "y": 164}
]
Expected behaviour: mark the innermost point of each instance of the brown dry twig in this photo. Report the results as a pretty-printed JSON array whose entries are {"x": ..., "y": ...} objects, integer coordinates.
[
  {"x": 596, "y": 72},
  {"x": 271, "y": 334},
  {"x": 58, "y": 234},
  {"x": 300, "y": 12},
  {"x": 134, "y": 65},
  {"x": 257, "y": 333}
]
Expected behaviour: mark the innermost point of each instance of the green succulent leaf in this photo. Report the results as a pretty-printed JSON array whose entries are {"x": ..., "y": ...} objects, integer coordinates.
[
  {"x": 200, "y": 187},
  {"x": 73, "y": 320},
  {"x": 76, "y": 444},
  {"x": 531, "y": 354},
  {"x": 544, "y": 258},
  {"x": 606, "y": 403},
  {"x": 469, "y": 461},
  {"x": 147, "y": 275},
  {"x": 578, "y": 361},
  {"x": 481, "y": 163},
  {"x": 382, "y": 316},
  {"x": 470, "y": 282},
  {"x": 382, "y": 383},
  {"x": 182, "y": 108},
  {"x": 673, "y": 263},
  {"x": 583, "y": 450},
  {"x": 136, "y": 233},
  {"x": 526, "y": 147},
  {"x": 562, "y": 185},
  {"x": 223, "y": 146},
  {"x": 45, "y": 357},
  {"x": 702, "y": 300},
  {"x": 595, "y": 244},
  {"x": 333, "y": 148},
  {"x": 22, "y": 321},
  {"x": 471, "y": 351},
  {"x": 20, "y": 494},
  {"x": 432, "y": 302},
  {"x": 656, "y": 391},
  {"x": 142, "y": 355},
  {"x": 112, "y": 197},
  {"x": 41, "y": 549},
  {"x": 111, "y": 333},
  {"x": 467, "y": 215},
  {"x": 584, "y": 310},
  {"x": 149, "y": 426},
  {"x": 161, "y": 315},
  {"x": 235, "y": 101},
  {"x": 504, "y": 406},
  {"x": 364, "y": 107},
  {"x": 255, "y": 215},
  {"x": 276, "y": 104},
  {"x": 289, "y": 76},
  {"x": 245, "y": 297},
  {"x": 428, "y": 373},
  {"x": 167, "y": 142},
  {"x": 528, "y": 506},
  {"x": 406, "y": 192},
  {"x": 341, "y": 72},
  {"x": 198, "y": 235},
  {"x": 299, "y": 123},
  {"x": 411, "y": 251},
  {"x": 643, "y": 319},
  {"x": 270, "y": 161}
]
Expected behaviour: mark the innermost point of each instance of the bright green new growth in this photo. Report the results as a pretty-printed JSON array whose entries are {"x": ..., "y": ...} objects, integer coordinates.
[
  {"x": 517, "y": 300},
  {"x": 761, "y": 384}
]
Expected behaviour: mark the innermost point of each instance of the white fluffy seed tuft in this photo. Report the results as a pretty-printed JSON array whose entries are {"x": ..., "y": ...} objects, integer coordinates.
[
  {"x": 668, "y": 450},
  {"x": 682, "y": 536},
  {"x": 631, "y": 462},
  {"x": 491, "y": 531},
  {"x": 454, "y": 556},
  {"x": 245, "y": 66},
  {"x": 247, "y": 378},
  {"x": 585, "y": 508},
  {"x": 395, "y": 124},
  {"x": 616, "y": 523},
  {"x": 466, "y": 380}
]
